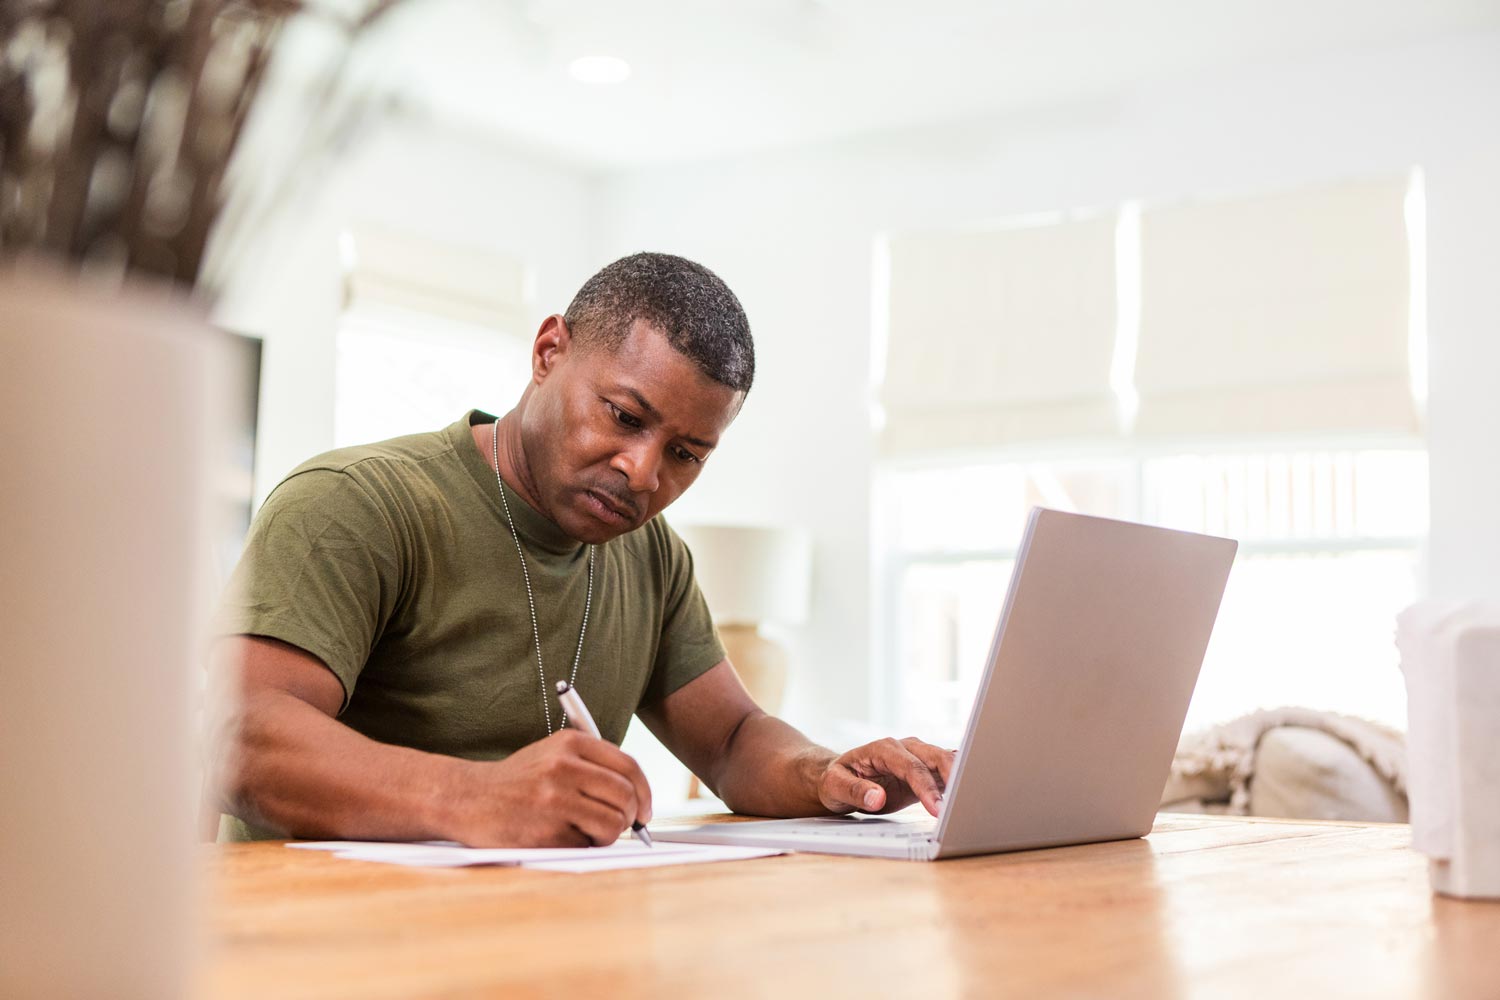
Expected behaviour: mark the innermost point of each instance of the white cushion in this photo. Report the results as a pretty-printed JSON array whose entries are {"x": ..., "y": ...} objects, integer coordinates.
[{"x": 1303, "y": 773}]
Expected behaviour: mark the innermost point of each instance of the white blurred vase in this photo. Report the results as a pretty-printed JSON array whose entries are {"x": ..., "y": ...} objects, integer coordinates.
[
  {"x": 108, "y": 402},
  {"x": 1450, "y": 655}
]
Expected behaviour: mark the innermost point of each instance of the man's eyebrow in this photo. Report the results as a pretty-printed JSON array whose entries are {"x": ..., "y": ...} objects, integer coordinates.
[{"x": 642, "y": 402}]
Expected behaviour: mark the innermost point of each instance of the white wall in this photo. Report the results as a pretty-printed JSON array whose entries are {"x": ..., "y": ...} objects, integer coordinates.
[
  {"x": 409, "y": 177},
  {"x": 791, "y": 232},
  {"x": 1463, "y": 438}
]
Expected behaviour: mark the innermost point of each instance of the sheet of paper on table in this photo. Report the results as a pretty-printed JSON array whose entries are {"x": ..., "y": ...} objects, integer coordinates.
[{"x": 621, "y": 854}]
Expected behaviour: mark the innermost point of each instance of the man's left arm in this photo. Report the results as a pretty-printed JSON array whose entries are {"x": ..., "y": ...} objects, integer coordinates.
[{"x": 761, "y": 766}]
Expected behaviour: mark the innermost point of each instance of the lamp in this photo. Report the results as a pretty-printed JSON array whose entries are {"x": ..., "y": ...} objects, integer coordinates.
[{"x": 752, "y": 576}]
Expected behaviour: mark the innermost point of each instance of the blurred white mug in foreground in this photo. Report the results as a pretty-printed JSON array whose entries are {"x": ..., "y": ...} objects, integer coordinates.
[{"x": 1450, "y": 654}]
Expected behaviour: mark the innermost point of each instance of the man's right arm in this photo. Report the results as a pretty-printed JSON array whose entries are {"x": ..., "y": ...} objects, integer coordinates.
[{"x": 279, "y": 758}]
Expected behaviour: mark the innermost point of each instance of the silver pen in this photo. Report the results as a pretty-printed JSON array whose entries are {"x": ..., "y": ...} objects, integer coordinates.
[{"x": 578, "y": 714}]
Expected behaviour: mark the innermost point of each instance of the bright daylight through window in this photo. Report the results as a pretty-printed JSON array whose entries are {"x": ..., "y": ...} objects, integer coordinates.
[
  {"x": 400, "y": 372},
  {"x": 1308, "y": 451},
  {"x": 428, "y": 330}
]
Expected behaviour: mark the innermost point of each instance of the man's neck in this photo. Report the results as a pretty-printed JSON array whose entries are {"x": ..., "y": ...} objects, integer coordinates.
[{"x": 506, "y": 432}]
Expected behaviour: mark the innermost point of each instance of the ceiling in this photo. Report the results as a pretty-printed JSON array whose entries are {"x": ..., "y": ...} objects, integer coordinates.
[{"x": 715, "y": 77}]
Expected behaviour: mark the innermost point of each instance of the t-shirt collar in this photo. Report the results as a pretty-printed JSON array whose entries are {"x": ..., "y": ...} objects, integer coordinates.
[{"x": 537, "y": 531}]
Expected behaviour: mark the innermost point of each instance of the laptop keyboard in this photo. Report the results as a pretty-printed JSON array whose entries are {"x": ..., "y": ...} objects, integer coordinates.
[{"x": 860, "y": 828}]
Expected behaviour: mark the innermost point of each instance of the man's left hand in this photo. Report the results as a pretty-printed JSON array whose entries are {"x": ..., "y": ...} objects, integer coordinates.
[{"x": 885, "y": 776}]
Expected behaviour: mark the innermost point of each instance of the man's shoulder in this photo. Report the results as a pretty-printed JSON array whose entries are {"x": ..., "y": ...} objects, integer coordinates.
[
  {"x": 409, "y": 450},
  {"x": 401, "y": 474},
  {"x": 412, "y": 464}
]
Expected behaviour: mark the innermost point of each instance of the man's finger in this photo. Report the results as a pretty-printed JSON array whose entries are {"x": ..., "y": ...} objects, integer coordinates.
[
  {"x": 922, "y": 780},
  {"x": 845, "y": 791},
  {"x": 601, "y": 822},
  {"x": 893, "y": 758},
  {"x": 610, "y": 788},
  {"x": 937, "y": 759},
  {"x": 606, "y": 754}
]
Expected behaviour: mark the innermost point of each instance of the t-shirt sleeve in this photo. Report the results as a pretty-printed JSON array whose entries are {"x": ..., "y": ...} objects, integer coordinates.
[
  {"x": 689, "y": 644},
  {"x": 321, "y": 570}
]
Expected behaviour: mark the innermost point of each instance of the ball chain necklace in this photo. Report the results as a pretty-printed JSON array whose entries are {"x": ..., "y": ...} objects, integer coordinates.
[{"x": 536, "y": 634}]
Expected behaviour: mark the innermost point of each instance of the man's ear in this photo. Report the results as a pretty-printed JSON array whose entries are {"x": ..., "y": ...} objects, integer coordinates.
[{"x": 551, "y": 344}]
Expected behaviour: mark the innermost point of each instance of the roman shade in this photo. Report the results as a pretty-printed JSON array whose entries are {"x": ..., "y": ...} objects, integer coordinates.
[
  {"x": 1279, "y": 314},
  {"x": 999, "y": 336},
  {"x": 468, "y": 285}
]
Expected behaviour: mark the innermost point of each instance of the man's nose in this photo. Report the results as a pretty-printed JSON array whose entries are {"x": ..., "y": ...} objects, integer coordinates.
[{"x": 640, "y": 465}]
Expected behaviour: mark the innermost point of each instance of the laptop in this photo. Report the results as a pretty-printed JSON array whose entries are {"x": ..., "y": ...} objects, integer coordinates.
[{"x": 1082, "y": 701}]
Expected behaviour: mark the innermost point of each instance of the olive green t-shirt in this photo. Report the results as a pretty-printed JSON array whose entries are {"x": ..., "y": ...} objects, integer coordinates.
[{"x": 394, "y": 565}]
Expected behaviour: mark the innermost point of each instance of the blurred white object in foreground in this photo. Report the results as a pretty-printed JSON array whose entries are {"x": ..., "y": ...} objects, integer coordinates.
[
  {"x": 109, "y": 402},
  {"x": 1450, "y": 654}
]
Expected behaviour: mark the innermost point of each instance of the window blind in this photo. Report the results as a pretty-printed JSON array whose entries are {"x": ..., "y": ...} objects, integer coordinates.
[
  {"x": 1278, "y": 314},
  {"x": 999, "y": 336},
  {"x": 468, "y": 285}
]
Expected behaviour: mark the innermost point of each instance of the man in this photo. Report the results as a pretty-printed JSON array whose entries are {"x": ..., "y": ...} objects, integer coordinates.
[{"x": 403, "y": 610}]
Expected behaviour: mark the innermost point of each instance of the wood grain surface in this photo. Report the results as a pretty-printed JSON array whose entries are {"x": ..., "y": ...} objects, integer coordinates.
[{"x": 1209, "y": 907}]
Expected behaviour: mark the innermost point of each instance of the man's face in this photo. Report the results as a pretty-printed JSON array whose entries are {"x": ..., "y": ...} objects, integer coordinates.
[{"x": 612, "y": 436}]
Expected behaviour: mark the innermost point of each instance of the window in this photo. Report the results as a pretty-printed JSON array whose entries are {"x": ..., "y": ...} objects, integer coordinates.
[
  {"x": 428, "y": 331},
  {"x": 400, "y": 372},
  {"x": 1330, "y": 551},
  {"x": 1246, "y": 368}
]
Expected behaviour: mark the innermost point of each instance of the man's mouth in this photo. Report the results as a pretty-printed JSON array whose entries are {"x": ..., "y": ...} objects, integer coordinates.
[{"x": 609, "y": 509}]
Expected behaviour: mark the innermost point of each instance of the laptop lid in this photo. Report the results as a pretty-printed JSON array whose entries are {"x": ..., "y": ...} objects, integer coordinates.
[{"x": 1094, "y": 661}]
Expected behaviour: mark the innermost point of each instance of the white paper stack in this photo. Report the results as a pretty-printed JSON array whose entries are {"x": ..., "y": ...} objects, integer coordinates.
[
  {"x": 625, "y": 853},
  {"x": 1450, "y": 655}
]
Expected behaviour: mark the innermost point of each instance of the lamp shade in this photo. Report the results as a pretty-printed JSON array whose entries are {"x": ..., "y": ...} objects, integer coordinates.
[{"x": 751, "y": 575}]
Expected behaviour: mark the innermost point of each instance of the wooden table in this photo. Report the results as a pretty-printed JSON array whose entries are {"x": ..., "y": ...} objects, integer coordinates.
[{"x": 1207, "y": 907}]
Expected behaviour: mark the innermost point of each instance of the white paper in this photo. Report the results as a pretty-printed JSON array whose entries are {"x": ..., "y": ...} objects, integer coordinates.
[
  {"x": 652, "y": 857},
  {"x": 622, "y": 854}
]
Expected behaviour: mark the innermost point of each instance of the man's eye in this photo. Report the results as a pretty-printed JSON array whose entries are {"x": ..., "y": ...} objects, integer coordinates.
[
  {"x": 685, "y": 456},
  {"x": 627, "y": 419}
]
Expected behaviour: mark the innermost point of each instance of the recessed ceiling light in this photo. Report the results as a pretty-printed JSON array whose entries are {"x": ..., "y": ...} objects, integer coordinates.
[{"x": 599, "y": 69}]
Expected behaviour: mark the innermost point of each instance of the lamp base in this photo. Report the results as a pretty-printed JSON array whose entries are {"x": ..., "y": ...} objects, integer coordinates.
[{"x": 761, "y": 664}]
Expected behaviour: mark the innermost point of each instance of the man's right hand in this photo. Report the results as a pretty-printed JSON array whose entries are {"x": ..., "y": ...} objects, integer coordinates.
[
  {"x": 280, "y": 759},
  {"x": 568, "y": 790}
]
